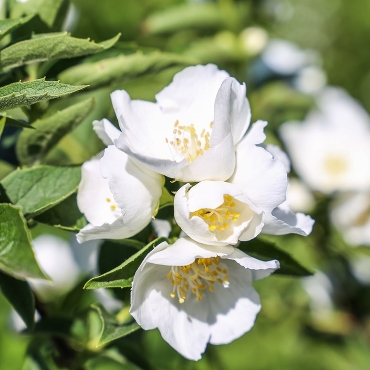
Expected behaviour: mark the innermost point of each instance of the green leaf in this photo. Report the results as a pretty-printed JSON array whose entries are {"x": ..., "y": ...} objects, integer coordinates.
[
  {"x": 17, "y": 114},
  {"x": 5, "y": 169},
  {"x": 50, "y": 47},
  {"x": 9, "y": 25},
  {"x": 265, "y": 251},
  {"x": 33, "y": 145},
  {"x": 123, "y": 68},
  {"x": 16, "y": 254},
  {"x": 37, "y": 189},
  {"x": 20, "y": 296},
  {"x": 64, "y": 215},
  {"x": 122, "y": 276},
  {"x": 166, "y": 199},
  {"x": 111, "y": 328},
  {"x": 2, "y": 125},
  {"x": 27, "y": 93}
]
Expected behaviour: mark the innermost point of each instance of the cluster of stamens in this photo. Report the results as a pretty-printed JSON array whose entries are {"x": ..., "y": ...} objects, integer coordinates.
[
  {"x": 195, "y": 278},
  {"x": 113, "y": 206},
  {"x": 220, "y": 217},
  {"x": 187, "y": 142}
]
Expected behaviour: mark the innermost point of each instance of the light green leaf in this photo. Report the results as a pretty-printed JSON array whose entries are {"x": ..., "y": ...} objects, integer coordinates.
[
  {"x": 56, "y": 46},
  {"x": 64, "y": 215},
  {"x": 111, "y": 328},
  {"x": 2, "y": 125},
  {"x": 16, "y": 114},
  {"x": 265, "y": 251},
  {"x": 123, "y": 67},
  {"x": 20, "y": 296},
  {"x": 16, "y": 254},
  {"x": 10, "y": 25},
  {"x": 37, "y": 189},
  {"x": 5, "y": 169},
  {"x": 33, "y": 145},
  {"x": 27, "y": 93},
  {"x": 122, "y": 276},
  {"x": 166, "y": 199}
]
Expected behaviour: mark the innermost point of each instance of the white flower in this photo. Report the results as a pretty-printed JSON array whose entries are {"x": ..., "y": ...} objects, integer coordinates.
[
  {"x": 195, "y": 294},
  {"x": 55, "y": 257},
  {"x": 190, "y": 132},
  {"x": 350, "y": 214},
  {"x": 117, "y": 196},
  {"x": 282, "y": 220},
  {"x": 299, "y": 196},
  {"x": 330, "y": 150}
]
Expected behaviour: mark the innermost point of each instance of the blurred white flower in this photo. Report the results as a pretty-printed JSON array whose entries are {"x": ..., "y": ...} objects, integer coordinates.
[
  {"x": 310, "y": 80},
  {"x": 350, "y": 214},
  {"x": 330, "y": 149},
  {"x": 117, "y": 196},
  {"x": 360, "y": 268},
  {"x": 190, "y": 132},
  {"x": 299, "y": 196},
  {"x": 162, "y": 228},
  {"x": 286, "y": 58},
  {"x": 195, "y": 294},
  {"x": 55, "y": 257},
  {"x": 254, "y": 40}
]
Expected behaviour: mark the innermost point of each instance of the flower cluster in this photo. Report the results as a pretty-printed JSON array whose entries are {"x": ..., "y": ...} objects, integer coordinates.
[
  {"x": 231, "y": 189},
  {"x": 330, "y": 152}
]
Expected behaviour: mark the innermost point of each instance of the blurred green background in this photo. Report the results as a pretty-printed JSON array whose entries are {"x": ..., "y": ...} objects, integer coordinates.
[{"x": 326, "y": 329}]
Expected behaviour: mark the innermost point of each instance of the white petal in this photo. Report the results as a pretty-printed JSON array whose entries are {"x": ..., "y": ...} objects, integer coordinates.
[
  {"x": 94, "y": 197},
  {"x": 136, "y": 192},
  {"x": 232, "y": 310},
  {"x": 231, "y": 109},
  {"x": 193, "y": 92},
  {"x": 280, "y": 155},
  {"x": 282, "y": 222},
  {"x": 115, "y": 230},
  {"x": 260, "y": 269},
  {"x": 106, "y": 131},
  {"x": 256, "y": 134},
  {"x": 262, "y": 178},
  {"x": 162, "y": 228}
]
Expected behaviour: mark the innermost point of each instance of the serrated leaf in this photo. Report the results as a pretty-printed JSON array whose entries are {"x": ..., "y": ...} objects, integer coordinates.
[
  {"x": 27, "y": 93},
  {"x": 33, "y": 145},
  {"x": 10, "y": 25},
  {"x": 123, "y": 68},
  {"x": 37, "y": 189},
  {"x": 65, "y": 215},
  {"x": 122, "y": 276},
  {"x": 16, "y": 255},
  {"x": 20, "y": 296},
  {"x": 265, "y": 251},
  {"x": 50, "y": 48},
  {"x": 111, "y": 328}
]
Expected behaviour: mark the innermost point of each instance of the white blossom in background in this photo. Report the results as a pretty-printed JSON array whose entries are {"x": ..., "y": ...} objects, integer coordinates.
[
  {"x": 360, "y": 268},
  {"x": 162, "y": 228},
  {"x": 331, "y": 148},
  {"x": 299, "y": 197},
  {"x": 254, "y": 40},
  {"x": 350, "y": 214},
  {"x": 190, "y": 132},
  {"x": 117, "y": 196},
  {"x": 195, "y": 294},
  {"x": 55, "y": 257}
]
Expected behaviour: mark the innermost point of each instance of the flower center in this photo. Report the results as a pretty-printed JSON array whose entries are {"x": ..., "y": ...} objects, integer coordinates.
[
  {"x": 188, "y": 143},
  {"x": 335, "y": 165},
  {"x": 113, "y": 206},
  {"x": 219, "y": 218},
  {"x": 203, "y": 273}
]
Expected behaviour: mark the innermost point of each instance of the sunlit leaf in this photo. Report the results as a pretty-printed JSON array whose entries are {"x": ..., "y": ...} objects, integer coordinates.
[
  {"x": 9, "y": 25},
  {"x": 16, "y": 254}
]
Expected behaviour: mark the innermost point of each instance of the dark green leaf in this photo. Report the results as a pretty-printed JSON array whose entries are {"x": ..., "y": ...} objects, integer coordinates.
[
  {"x": 40, "y": 188},
  {"x": 50, "y": 47},
  {"x": 20, "y": 296},
  {"x": 111, "y": 328},
  {"x": 64, "y": 215},
  {"x": 265, "y": 251},
  {"x": 16, "y": 254},
  {"x": 27, "y": 93},
  {"x": 2, "y": 125},
  {"x": 122, "y": 68},
  {"x": 33, "y": 145},
  {"x": 9, "y": 25},
  {"x": 122, "y": 276}
]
